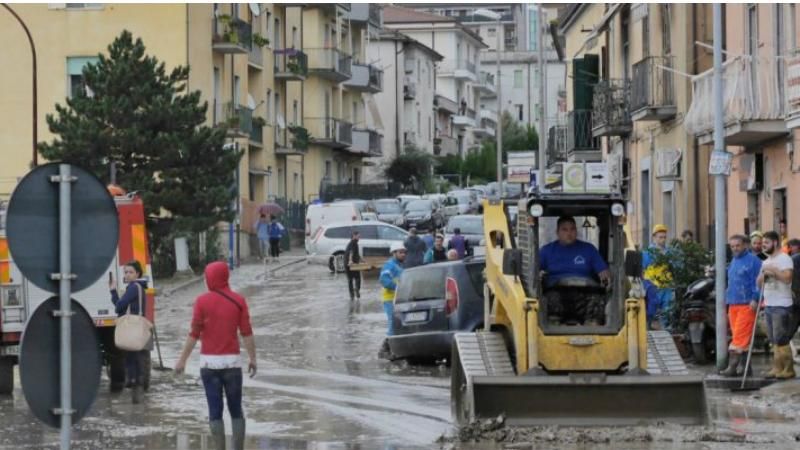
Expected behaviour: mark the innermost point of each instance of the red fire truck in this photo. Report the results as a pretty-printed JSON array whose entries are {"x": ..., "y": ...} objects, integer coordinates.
[{"x": 19, "y": 298}]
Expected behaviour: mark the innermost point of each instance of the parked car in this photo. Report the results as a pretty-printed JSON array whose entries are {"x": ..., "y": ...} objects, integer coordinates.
[
  {"x": 423, "y": 215},
  {"x": 404, "y": 199},
  {"x": 433, "y": 302},
  {"x": 471, "y": 226},
  {"x": 363, "y": 206},
  {"x": 467, "y": 201},
  {"x": 376, "y": 237},
  {"x": 321, "y": 214},
  {"x": 450, "y": 208},
  {"x": 389, "y": 210},
  {"x": 481, "y": 191}
]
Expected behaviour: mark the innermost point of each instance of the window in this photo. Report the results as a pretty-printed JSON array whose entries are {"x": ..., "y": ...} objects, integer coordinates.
[
  {"x": 294, "y": 185},
  {"x": 419, "y": 68},
  {"x": 338, "y": 233},
  {"x": 217, "y": 95},
  {"x": 419, "y": 124},
  {"x": 421, "y": 284},
  {"x": 235, "y": 10},
  {"x": 278, "y": 122},
  {"x": 518, "y": 79},
  {"x": 268, "y": 106},
  {"x": 277, "y": 40},
  {"x": 368, "y": 231},
  {"x": 268, "y": 22},
  {"x": 294, "y": 37},
  {"x": 328, "y": 169},
  {"x": 236, "y": 90},
  {"x": 492, "y": 32},
  {"x": 295, "y": 109},
  {"x": 520, "y": 111},
  {"x": 666, "y": 29},
  {"x": 646, "y": 34},
  {"x": 76, "y": 84},
  {"x": 391, "y": 234}
]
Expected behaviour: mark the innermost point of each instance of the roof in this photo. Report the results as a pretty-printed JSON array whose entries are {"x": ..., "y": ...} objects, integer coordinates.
[
  {"x": 396, "y": 14},
  {"x": 394, "y": 35}
]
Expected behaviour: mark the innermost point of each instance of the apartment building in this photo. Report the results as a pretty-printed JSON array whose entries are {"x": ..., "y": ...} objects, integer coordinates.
[
  {"x": 629, "y": 94},
  {"x": 406, "y": 102},
  {"x": 456, "y": 99},
  {"x": 761, "y": 99}
]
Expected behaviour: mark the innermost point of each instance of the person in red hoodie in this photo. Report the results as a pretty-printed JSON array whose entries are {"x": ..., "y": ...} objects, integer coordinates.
[{"x": 218, "y": 315}]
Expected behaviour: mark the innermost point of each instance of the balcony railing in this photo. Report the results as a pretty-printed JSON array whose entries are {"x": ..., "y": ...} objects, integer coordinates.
[
  {"x": 257, "y": 134},
  {"x": 409, "y": 89},
  {"x": 365, "y": 78},
  {"x": 366, "y": 12},
  {"x": 237, "y": 118},
  {"x": 579, "y": 132},
  {"x": 792, "y": 77},
  {"x": 231, "y": 35},
  {"x": 458, "y": 68},
  {"x": 291, "y": 141},
  {"x": 653, "y": 90},
  {"x": 556, "y": 144},
  {"x": 486, "y": 84},
  {"x": 445, "y": 104},
  {"x": 291, "y": 64},
  {"x": 611, "y": 108},
  {"x": 753, "y": 102},
  {"x": 330, "y": 132},
  {"x": 367, "y": 142},
  {"x": 330, "y": 63},
  {"x": 256, "y": 56}
]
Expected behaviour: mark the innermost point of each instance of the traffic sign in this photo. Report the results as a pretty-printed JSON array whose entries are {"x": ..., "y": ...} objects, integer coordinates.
[
  {"x": 39, "y": 362},
  {"x": 32, "y": 227}
]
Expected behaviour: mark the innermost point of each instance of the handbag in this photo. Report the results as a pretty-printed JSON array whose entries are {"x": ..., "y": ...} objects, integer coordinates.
[{"x": 133, "y": 330}]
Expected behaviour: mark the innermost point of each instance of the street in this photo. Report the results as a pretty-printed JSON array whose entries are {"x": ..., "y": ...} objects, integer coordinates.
[{"x": 321, "y": 385}]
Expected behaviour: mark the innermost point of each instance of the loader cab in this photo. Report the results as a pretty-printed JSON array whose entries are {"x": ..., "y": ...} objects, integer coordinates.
[{"x": 599, "y": 220}]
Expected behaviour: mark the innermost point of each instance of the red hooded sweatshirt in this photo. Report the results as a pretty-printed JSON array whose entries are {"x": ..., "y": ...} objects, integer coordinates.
[{"x": 216, "y": 319}]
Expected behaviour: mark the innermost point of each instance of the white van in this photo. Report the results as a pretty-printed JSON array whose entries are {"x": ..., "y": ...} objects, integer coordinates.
[{"x": 321, "y": 214}]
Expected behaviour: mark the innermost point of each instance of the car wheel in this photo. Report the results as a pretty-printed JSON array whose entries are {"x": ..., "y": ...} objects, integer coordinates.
[{"x": 336, "y": 263}]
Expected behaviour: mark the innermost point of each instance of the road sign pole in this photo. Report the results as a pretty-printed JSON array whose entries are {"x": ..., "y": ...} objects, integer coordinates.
[{"x": 65, "y": 280}]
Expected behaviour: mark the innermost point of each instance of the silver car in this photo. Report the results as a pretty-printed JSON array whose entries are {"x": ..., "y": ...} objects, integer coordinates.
[
  {"x": 471, "y": 226},
  {"x": 389, "y": 211}
]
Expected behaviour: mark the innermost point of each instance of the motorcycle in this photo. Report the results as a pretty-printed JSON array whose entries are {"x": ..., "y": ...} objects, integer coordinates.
[{"x": 699, "y": 313}]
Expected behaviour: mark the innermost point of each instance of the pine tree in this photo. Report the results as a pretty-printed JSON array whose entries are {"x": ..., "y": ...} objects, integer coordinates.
[{"x": 141, "y": 117}]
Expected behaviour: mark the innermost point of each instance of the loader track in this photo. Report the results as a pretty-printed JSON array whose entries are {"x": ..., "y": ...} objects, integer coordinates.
[
  {"x": 662, "y": 355},
  {"x": 483, "y": 354}
]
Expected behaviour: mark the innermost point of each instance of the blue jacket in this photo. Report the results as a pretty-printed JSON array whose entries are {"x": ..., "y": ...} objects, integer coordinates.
[
  {"x": 262, "y": 230},
  {"x": 742, "y": 273},
  {"x": 390, "y": 275},
  {"x": 649, "y": 255},
  {"x": 577, "y": 259},
  {"x": 276, "y": 230},
  {"x": 130, "y": 298}
]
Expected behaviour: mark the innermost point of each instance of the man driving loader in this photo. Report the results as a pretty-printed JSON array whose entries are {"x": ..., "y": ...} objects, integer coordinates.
[{"x": 567, "y": 259}]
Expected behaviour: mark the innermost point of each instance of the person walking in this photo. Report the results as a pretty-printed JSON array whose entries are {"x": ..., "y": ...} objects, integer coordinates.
[
  {"x": 217, "y": 317},
  {"x": 390, "y": 276},
  {"x": 775, "y": 279},
  {"x": 459, "y": 243},
  {"x": 133, "y": 301},
  {"x": 276, "y": 232},
  {"x": 352, "y": 255},
  {"x": 756, "y": 243},
  {"x": 437, "y": 253},
  {"x": 262, "y": 232},
  {"x": 430, "y": 238},
  {"x": 415, "y": 248},
  {"x": 742, "y": 300}
]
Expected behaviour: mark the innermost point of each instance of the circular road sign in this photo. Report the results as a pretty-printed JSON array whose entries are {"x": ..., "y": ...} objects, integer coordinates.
[
  {"x": 32, "y": 227},
  {"x": 40, "y": 365}
]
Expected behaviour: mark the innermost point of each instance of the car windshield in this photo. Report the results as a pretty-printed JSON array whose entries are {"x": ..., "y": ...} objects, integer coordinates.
[
  {"x": 419, "y": 205},
  {"x": 468, "y": 225},
  {"x": 388, "y": 207},
  {"x": 425, "y": 284},
  {"x": 462, "y": 198}
]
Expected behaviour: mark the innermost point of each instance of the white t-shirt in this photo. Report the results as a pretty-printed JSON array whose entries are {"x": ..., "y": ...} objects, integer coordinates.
[{"x": 776, "y": 292}]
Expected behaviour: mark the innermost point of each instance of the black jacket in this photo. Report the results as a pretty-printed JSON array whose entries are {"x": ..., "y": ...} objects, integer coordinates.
[{"x": 351, "y": 254}]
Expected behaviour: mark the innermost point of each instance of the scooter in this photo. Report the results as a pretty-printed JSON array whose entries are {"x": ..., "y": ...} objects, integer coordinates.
[{"x": 699, "y": 313}]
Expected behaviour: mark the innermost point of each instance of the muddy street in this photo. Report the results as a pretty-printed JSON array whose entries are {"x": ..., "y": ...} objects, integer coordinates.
[{"x": 321, "y": 385}]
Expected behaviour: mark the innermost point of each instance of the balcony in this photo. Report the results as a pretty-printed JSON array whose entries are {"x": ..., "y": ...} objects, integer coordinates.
[
  {"x": 290, "y": 64},
  {"x": 611, "y": 113},
  {"x": 409, "y": 89},
  {"x": 582, "y": 145},
  {"x": 488, "y": 115},
  {"x": 754, "y": 103},
  {"x": 330, "y": 63},
  {"x": 653, "y": 90},
  {"x": 483, "y": 131},
  {"x": 459, "y": 69},
  {"x": 365, "y": 13},
  {"x": 366, "y": 78},
  {"x": 556, "y": 144},
  {"x": 256, "y": 57},
  {"x": 231, "y": 35},
  {"x": 464, "y": 118},
  {"x": 257, "y": 133},
  {"x": 367, "y": 142},
  {"x": 293, "y": 141},
  {"x": 330, "y": 132},
  {"x": 485, "y": 86},
  {"x": 237, "y": 118},
  {"x": 445, "y": 104},
  {"x": 792, "y": 77}
]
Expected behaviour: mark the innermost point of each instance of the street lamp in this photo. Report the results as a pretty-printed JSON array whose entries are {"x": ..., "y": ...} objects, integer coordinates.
[{"x": 491, "y": 15}]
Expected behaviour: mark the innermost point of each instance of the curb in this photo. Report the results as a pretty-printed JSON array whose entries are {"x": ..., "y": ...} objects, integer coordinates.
[{"x": 282, "y": 266}]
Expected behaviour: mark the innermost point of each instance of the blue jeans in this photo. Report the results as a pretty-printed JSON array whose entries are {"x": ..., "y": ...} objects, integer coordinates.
[
  {"x": 215, "y": 381},
  {"x": 134, "y": 366},
  {"x": 780, "y": 324},
  {"x": 388, "y": 308}
]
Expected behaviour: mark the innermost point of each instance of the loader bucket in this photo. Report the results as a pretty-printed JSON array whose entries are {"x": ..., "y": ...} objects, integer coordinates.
[{"x": 603, "y": 400}]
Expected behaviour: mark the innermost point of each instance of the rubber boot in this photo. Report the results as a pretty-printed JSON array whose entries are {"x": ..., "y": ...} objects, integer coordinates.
[
  {"x": 238, "y": 429},
  {"x": 771, "y": 373},
  {"x": 785, "y": 362},
  {"x": 217, "y": 428},
  {"x": 734, "y": 358},
  {"x": 742, "y": 363},
  {"x": 136, "y": 394}
]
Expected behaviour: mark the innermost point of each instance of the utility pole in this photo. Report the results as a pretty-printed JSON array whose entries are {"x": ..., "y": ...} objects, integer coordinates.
[
  {"x": 499, "y": 133},
  {"x": 720, "y": 168},
  {"x": 540, "y": 183}
]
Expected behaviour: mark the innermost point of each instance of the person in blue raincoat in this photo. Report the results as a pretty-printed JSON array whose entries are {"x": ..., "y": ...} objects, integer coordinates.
[
  {"x": 390, "y": 276},
  {"x": 275, "y": 231}
]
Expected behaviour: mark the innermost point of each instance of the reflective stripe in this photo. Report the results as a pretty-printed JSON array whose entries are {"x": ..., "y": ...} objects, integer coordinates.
[{"x": 138, "y": 244}]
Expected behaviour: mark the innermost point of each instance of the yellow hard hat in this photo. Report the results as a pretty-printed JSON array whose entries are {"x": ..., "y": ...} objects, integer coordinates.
[{"x": 659, "y": 229}]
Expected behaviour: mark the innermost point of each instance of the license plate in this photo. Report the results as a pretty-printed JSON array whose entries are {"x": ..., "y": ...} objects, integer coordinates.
[
  {"x": 418, "y": 316},
  {"x": 10, "y": 350}
]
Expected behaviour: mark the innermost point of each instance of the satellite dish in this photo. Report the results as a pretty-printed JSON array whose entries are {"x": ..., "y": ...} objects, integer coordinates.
[
  {"x": 251, "y": 102},
  {"x": 255, "y": 9}
]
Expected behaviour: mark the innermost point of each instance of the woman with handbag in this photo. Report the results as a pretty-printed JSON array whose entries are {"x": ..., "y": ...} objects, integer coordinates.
[{"x": 132, "y": 302}]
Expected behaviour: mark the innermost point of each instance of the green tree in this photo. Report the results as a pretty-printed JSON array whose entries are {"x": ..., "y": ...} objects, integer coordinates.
[
  {"x": 517, "y": 137},
  {"x": 411, "y": 169},
  {"x": 143, "y": 118}
]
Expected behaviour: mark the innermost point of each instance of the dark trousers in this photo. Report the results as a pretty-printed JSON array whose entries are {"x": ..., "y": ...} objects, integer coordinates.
[
  {"x": 134, "y": 366},
  {"x": 219, "y": 381},
  {"x": 354, "y": 282},
  {"x": 274, "y": 247}
]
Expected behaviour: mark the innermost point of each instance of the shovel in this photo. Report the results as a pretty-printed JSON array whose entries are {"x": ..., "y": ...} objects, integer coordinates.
[
  {"x": 752, "y": 386},
  {"x": 161, "y": 367}
]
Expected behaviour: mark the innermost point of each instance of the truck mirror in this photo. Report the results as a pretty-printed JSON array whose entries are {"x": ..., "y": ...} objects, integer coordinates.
[
  {"x": 512, "y": 262},
  {"x": 633, "y": 263}
]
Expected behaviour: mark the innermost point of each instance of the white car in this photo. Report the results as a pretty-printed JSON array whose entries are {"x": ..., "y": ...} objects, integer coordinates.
[
  {"x": 467, "y": 201},
  {"x": 320, "y": 214},
  {"x": 375, "y": 239}
]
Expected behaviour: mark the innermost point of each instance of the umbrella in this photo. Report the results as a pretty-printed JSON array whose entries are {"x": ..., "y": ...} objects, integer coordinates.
[{"x": 270, "y": 209}]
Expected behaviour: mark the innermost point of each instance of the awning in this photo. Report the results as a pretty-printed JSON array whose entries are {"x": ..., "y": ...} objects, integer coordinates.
[{"x": 601, "y": 26}]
